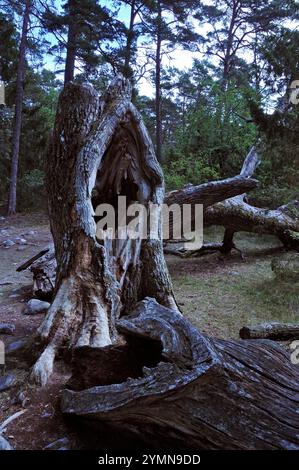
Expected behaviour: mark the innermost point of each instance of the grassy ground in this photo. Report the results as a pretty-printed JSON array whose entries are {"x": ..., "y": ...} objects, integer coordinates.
[{"x": 220, "y": 295}]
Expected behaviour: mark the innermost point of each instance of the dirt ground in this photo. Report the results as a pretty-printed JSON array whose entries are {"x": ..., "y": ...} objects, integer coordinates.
[{"x": 218, "y": 294}]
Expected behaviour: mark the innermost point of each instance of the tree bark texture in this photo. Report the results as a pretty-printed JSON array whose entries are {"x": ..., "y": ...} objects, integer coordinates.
[
  {"x": 99, "y": 150},
  {"x": 271, "y": 330},
  {"x": 193, "y": 392},
  {"x": 12, "y": 202}
]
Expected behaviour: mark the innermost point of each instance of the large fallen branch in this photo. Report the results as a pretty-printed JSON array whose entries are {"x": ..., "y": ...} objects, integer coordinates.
[{"x": 175, "y": 388}]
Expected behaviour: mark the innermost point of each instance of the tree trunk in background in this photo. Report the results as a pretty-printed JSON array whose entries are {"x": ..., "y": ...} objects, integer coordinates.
[
  {"x": 12, "y": 202},
  {"x": 69, "y": 71},
  {"x": 100, "y": 149},
  {"x": 127, "y": 71},
  {"x": 158, "y": 84}
]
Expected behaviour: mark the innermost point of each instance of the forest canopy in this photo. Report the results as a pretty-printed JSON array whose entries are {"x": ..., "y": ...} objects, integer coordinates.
[{"x": 211, "y": 79}]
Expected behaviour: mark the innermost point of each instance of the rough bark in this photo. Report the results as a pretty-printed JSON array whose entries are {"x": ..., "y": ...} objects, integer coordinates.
[
  {"x": 158, "y": 83},
  {"x": 12, "y": 202},
  {"x": 71, "y": 47},
  {"x": 242, "y": 217},
  {"x": 99, "y": 149},
  {"x": 273, "y": 330},
  {"x": 192, "y": 391},
  {"x": 236, "y": 215}
]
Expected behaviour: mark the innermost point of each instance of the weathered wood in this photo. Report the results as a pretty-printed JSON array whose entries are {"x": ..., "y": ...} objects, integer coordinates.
[
  {"x": 99, "y": 150},
  {"x": 208, "y": 194},
  {"x": 242, "y": 217},
  {"x": 197, "y": 393},
  {"x": 272, "y": 330}
]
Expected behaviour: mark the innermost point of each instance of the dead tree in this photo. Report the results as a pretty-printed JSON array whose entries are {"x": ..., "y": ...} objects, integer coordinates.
[
  {"x": 237, "y": 215},
  {"x": 175, "y": 388},
  {"x": 100, "y": 149},
  {"x": 139, "y": 365}
]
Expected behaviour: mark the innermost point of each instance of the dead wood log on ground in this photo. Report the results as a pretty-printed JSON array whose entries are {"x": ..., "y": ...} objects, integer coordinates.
[
  {"x": 43, "y": 267},
  {"x": 272, "y": 330},
  {"x": 184, "y": 390}
]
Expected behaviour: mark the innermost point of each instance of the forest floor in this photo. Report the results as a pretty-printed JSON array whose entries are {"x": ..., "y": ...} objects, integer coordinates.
[{"x": 218, "y": 294}]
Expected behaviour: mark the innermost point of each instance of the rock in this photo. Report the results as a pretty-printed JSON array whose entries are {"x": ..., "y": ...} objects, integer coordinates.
[
  {"x": 4, "y": 444},
  {"x": 22, "y": 248},
  {"x": 60, "y": 444},
  {"x": 2, "y": 218},
  {"x": 7, "y": 328},
  {"x": 35, "y": 307},
  {"x": 7, "y": 381},
  {"x": 30, "y": 233},
  {"x": 7, "y": 243},
  {"x": 21, "y": 241},
  {"x": 286, "y": 268},
  {"x": 3, "y": 232}
]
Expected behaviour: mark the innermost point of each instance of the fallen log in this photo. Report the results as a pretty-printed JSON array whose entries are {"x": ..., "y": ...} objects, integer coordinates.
[
  {"x": 176, "y": 388},
  {"x": 273, "y": 330}
]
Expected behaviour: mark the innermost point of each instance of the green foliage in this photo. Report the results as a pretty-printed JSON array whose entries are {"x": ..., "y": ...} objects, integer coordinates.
[{"x": 213, "y": 139}]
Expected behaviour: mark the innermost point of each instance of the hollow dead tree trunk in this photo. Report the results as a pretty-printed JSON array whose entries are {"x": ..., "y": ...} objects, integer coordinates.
[
  {"x": 138, "y": 364},
  {"x": 99, "y": 150}
]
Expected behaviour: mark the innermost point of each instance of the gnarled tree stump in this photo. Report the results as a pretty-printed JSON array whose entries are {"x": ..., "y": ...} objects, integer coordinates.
[
  {"x": 99, "y": 150},
  {"x": 196, "y": 392}
]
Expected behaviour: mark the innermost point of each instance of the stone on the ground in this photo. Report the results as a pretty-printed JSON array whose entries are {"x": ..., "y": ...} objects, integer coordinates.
[
  {"x": 7, "y": 243},
  {"x": 7, "y": 381},
  {"x": 2, "y": 218},
  {"x": 29, "y": 233},
  {"x": 22, "y": 248},
  {"x": 4, "y": 444},
  {"x": 60, "y": 444},
  {"x": 35, "y": 307},
  {"x": 21, "y": 241},
  {"x": 7, "y": 328},
  {"x": 286, "y": 268}
]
